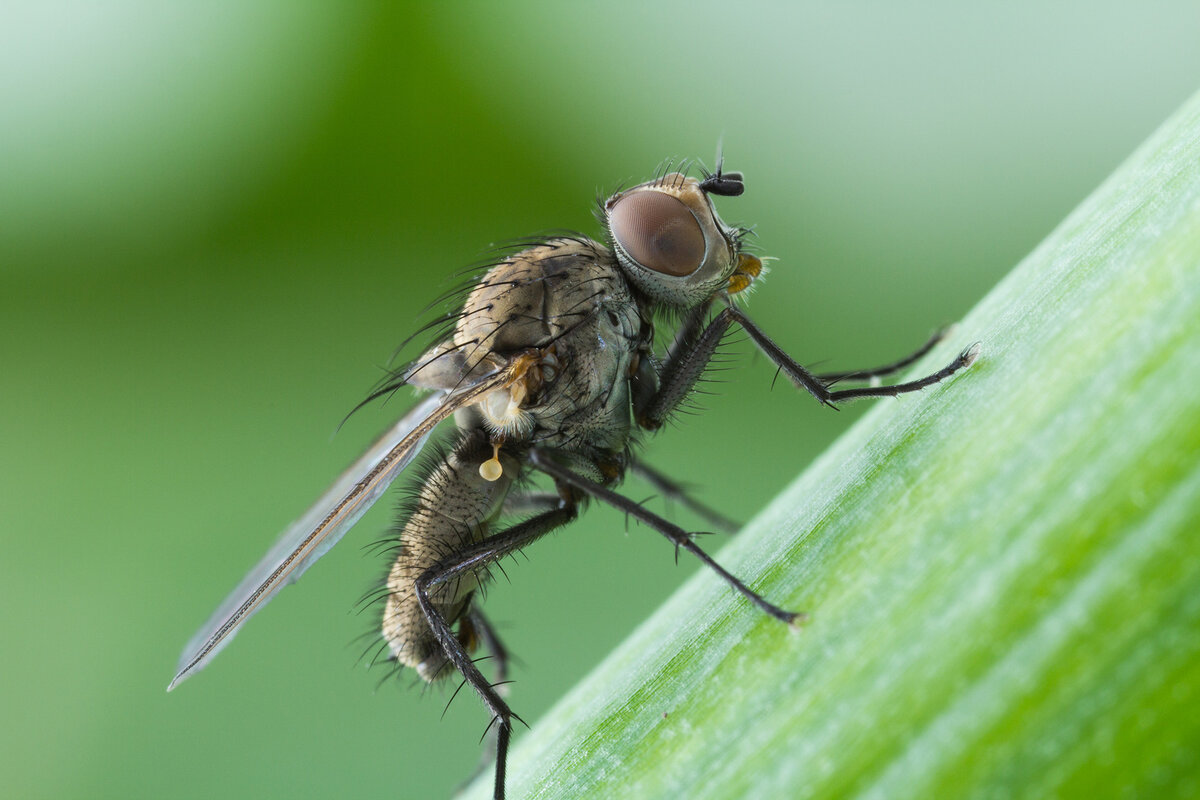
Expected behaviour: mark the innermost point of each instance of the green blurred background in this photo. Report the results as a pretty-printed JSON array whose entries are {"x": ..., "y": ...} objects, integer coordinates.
[{"x": 217, "y": 221}]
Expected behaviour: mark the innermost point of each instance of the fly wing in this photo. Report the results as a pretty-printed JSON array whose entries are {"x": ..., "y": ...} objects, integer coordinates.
[{"x": 311, "y": 536}]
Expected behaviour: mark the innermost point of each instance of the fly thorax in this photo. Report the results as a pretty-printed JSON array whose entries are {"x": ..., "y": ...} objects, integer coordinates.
[
  {"x": 532, "y": 298},
  {"x": 568, "y": 301}
]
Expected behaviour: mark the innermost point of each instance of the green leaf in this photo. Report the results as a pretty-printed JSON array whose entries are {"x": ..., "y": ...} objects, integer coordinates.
[{"x": 1002, "y": 572}]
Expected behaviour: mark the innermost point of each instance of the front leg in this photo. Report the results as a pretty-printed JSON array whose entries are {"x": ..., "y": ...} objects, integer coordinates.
[
  {"x": 874, "y": 373},
  {"x": 684, "y": 368}
]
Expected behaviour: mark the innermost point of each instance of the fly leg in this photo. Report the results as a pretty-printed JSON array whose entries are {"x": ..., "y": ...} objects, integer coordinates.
[
  {"x": 672, "y": 490},
  {"x": 469, "y": 560},
  {"x": 544, "y": 461},
  {"x": 683, "y": 368},
  {"x": 482, "y": 631},
  {"x": 874, "y": 373}
]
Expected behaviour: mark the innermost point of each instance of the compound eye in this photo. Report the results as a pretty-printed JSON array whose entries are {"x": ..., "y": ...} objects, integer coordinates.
[{"x": 658, "y": 231}]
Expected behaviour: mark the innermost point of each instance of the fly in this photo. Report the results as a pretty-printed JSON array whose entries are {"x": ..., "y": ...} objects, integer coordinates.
[{"x": 549, "y": 368}]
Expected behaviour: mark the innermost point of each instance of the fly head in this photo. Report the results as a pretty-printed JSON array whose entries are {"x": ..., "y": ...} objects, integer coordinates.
[{"x": 672, "y": 245}]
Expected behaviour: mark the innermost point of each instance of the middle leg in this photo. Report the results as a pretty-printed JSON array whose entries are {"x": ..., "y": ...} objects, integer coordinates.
[
  {"x": 672, "y": 490},
  {"x": 544, "y": 462}
]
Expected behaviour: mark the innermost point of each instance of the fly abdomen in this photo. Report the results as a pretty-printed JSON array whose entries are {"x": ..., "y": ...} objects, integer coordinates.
[{"x": 454, "y": 509}]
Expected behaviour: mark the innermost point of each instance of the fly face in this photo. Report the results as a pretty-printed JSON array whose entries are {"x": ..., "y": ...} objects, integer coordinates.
[{"x": 549, "y": 371}]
